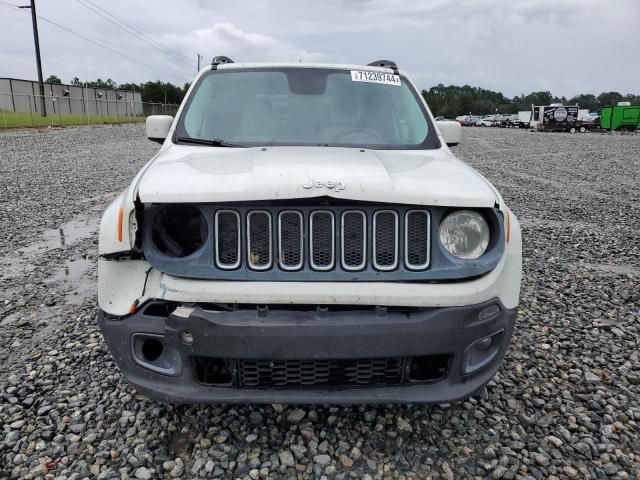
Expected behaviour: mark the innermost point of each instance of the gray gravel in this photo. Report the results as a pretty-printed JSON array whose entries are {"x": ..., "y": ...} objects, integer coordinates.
[{"x": 565, "y": 404}]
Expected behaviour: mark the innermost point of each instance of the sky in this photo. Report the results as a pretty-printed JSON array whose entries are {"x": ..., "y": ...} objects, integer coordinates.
[{"x": 513, "y": 46}]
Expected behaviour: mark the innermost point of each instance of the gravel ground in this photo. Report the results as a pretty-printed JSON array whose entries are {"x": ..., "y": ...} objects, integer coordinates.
[{"x": 565, "y": 404}]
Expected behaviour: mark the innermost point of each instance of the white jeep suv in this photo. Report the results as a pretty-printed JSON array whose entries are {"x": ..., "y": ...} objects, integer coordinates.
[{"x": 304, "y": 234}]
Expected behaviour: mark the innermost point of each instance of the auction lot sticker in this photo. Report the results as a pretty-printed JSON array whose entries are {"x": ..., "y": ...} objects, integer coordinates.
[{"x": 375, "y": 77}]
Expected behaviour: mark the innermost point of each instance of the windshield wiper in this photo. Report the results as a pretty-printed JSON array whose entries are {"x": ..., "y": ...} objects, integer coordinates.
[{"x": 216, "y": 142}]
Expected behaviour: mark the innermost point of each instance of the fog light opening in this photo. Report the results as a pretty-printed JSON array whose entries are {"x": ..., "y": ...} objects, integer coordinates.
[
  {"x": 483, "y": 344},
  {"x": 428, "y": 368},
  {"x": 152, "y": 349},
  {"x": 481, "y": 352}
]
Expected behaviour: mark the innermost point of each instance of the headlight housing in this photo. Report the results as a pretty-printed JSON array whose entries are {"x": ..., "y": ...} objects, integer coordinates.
[
  {"x": 179, "y": 230},
  {"x": 465, "y": 234}
]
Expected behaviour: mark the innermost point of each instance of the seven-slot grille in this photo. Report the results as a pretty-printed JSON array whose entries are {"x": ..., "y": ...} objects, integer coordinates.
[{"x": 322, "y": 239}]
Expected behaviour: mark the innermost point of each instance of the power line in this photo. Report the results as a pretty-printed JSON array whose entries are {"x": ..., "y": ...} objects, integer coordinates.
[
  {"x": 92, "y": 40},
  {"x": 132, "y": 27},
  {"x": 131, "y": 30},
  {"x": 77, "y": 34}
]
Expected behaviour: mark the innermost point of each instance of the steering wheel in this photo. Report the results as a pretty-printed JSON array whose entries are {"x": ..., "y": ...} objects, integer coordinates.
[{"x": 366, "y": 131}]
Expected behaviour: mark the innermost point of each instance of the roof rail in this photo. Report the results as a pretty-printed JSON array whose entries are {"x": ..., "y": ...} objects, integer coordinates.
[
  {"x": 219, "y": 59},
  {"x": 386, "y": 64}
]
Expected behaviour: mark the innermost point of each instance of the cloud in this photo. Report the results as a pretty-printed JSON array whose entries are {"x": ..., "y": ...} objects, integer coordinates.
[
  {"x": 227, "y": 39},
  {"x": 565, "y": 46}
]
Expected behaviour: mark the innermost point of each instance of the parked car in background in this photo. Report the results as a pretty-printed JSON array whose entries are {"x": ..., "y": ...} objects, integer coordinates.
[
  {"x": 589, "y": 121},
  {"x": 473, "y": 120},
  {"x": 513, "y": 121},
  {"x": 486, "y": 121},
  {"x": 501, "y": 120}
]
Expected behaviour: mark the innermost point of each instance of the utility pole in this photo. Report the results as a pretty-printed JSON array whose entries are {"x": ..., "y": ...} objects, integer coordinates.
[
  {"x": 34, "y": 20},
  {"x": 199, "y": 58}
]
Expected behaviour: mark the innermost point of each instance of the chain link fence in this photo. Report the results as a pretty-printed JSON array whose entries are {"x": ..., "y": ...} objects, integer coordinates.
[{"x": 19, "y": 110}]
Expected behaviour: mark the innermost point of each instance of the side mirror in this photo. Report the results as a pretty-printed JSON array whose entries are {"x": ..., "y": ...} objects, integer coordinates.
[
  {"x": 158, "y": 127},
  {"x": 451, "y": 131}
]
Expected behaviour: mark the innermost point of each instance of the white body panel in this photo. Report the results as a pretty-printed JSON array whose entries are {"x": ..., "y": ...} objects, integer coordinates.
[
  {"x": 158, "y": 126},
  {"x": 204, "y": 174},
  {"x": 451, "y": 131}
]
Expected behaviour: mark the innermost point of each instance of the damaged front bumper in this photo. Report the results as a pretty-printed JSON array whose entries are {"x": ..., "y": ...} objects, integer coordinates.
[{"x": 319, "y": 355}]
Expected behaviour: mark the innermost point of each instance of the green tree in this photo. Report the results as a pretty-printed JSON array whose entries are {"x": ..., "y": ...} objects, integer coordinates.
[
  {"x": 609, "y": 98},
  {"x": 585, "y": 100},
  {"x": 53, "y": 79}
]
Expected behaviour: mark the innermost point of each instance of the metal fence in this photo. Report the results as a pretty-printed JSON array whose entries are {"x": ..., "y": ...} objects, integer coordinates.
[{"x": 25, "y": 110}]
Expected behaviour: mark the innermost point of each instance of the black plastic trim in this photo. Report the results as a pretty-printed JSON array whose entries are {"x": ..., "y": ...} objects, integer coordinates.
[
  {"x": 281, "y": 334},
  {"x": 219, "y": 59}
]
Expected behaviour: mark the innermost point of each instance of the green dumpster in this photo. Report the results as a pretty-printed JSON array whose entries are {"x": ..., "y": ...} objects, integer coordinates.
[{"x": 620, "y": 117}]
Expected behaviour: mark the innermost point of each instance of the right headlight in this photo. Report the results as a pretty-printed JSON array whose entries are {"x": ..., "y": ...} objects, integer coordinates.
[{"x": 465, "y": 234}]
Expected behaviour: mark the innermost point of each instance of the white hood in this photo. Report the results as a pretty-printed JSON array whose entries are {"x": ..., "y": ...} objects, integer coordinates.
[{"x": 210, "y": 174}]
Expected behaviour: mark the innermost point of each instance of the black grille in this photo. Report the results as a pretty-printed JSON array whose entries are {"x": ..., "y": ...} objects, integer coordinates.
[
  {"x": 322, "y": 240},
  {"x": 366, "y": 240},
  {"x": 363, "y": 372},
  {"x": 417, "y": 239},
  {"x": 385, "y": 240},
  {"x": 291, "y": 240},
  {"x": 354, "y": 240},
  {"x": 227, "y": 239},
  {"x": 259, "y": 241},
  {"x": 320, "y": 373}
]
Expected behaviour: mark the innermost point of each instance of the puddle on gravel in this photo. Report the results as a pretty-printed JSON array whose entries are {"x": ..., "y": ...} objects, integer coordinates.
[
  {"x": 70, "y": 281},
  {"x": 71, "y": 275},
  {"x": 22, "y": 261},
  {"x": 67, "y": 234},
  {"x": 71, "y": 271}
]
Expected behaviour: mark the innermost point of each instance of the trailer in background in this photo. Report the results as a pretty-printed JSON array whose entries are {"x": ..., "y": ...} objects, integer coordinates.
[
  {"x": 555, "y": 118},
  {"x": 621, "y": 117}
]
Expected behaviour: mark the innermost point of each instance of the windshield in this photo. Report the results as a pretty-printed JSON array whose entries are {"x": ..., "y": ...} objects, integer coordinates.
[{"x": 306, "y": 106}]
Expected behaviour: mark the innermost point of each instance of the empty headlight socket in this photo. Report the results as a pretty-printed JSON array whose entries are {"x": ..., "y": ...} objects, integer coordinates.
[{"x": 138, "y": 212}]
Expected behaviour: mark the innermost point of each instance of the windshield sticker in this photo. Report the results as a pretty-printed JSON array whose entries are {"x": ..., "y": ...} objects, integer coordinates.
[{"x": 375, "y": 77}]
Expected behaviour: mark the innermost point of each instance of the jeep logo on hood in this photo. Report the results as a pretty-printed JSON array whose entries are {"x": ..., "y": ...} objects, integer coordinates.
[{"x": 337, "y": 186}]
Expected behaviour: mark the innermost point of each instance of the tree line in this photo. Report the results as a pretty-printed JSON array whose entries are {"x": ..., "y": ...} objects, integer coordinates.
[
  {"x": 452, "y": 101},
  {"x": 160, "y": 92},
  {"x": 449, "y": 101}
]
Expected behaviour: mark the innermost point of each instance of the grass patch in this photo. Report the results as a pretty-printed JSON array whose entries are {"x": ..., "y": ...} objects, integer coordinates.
[{"x": 27, "y": 120}]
